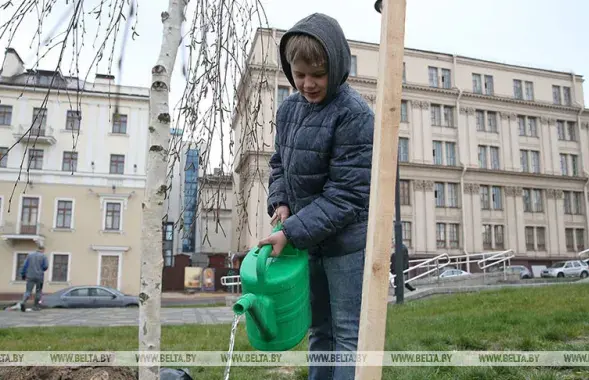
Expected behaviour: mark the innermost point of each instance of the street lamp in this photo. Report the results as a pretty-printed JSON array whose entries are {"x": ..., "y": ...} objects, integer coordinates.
[{"x": 399, "y": 279}]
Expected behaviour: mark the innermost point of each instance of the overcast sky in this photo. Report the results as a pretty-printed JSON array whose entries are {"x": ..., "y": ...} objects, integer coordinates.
[{"x": 538, "y": 33}]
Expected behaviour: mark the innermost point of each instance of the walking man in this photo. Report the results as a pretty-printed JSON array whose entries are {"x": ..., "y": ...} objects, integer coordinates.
[
  {"x": 405, "y": 253},
  {"x": 33, "y": 271}
]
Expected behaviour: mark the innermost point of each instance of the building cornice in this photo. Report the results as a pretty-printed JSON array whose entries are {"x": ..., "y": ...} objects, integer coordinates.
[{"x": 63, "y": 92}]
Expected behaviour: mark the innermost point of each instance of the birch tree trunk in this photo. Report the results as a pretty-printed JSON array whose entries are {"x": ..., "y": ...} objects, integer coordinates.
[{"x": 155, "y": 191}]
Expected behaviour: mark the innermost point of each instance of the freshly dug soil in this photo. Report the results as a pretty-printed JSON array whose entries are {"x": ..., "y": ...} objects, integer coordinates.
[{"x": 68, "y": 373}]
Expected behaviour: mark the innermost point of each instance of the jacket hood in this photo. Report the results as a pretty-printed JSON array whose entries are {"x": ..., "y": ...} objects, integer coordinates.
[{"x": 328, "y": 31}]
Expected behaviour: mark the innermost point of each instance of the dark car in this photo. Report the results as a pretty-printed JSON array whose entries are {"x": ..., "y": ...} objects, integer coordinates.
[{"x": 88, "y": 296}]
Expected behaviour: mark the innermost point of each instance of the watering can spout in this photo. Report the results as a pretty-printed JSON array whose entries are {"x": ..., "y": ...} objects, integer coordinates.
[{"x": 259, "y": 308}]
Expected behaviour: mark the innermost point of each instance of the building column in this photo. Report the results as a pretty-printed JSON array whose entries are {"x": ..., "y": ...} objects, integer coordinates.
[
  {"x": 549, "y": 141},
  {"x": 552, "y": 214},
  {"x": 474, "y": 230},
  {"x": 509, "y": 154},
  {"x": 512, "y": 140},
  {"x": 559, "y": 207},
  {"x": 420, "y": 214},
  {"x": 468, "y": 152},
  {"x": 422, "y": 144},
  {"x": 430, "y": 204},
  {"x": 514, "y": 205}
]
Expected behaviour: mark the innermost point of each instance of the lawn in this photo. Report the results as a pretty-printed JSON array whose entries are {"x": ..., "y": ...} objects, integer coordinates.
[{"x": 534, "y": 319}]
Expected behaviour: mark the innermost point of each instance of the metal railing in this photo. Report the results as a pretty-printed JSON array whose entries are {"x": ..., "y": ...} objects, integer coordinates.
[{"x": 424, "y": 263}]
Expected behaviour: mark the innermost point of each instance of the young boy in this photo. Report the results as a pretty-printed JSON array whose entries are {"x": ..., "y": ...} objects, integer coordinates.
[{"x": 319, "y": 184}]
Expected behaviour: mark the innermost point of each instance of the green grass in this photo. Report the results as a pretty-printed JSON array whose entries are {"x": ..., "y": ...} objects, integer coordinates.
[{"x": 529, "y": 319}]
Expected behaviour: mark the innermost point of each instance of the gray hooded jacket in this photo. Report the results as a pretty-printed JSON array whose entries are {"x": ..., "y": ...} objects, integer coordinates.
[
  {"x": 35, "y": 266},
  {"x": 322, "y": 165}
]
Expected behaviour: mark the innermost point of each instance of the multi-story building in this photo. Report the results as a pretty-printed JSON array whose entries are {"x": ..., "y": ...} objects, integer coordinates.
[
  {"x": 492, "y": 156},
  {"x": 198, "y": 231},
  {"x": 72, "y": 177}
]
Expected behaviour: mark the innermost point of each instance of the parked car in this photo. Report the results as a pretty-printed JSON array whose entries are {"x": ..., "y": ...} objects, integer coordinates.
[
  {"x": 571, "y": 268},
  {"x": 524, "y": 272},
  {"x": 90, "y": 296},
  {"x": 453, "y": 273}
]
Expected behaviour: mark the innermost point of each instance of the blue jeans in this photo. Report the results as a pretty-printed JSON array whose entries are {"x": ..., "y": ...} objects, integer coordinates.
[{"x": 336, "y": 299}]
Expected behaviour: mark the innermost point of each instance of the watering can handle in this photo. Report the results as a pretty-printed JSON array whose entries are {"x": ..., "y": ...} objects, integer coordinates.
[{"x": 263, "y": 255}]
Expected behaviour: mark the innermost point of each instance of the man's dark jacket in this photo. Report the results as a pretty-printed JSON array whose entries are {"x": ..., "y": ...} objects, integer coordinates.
[
  {"x": 321, "y": 167},
  {"x": 405, "y": 253}
]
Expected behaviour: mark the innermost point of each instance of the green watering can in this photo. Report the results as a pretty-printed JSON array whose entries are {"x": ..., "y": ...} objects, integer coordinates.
[{"x": 275, "y": 297}]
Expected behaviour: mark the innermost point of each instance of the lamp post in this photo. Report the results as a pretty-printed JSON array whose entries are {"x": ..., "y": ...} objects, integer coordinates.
[{"x": 399, "y": 279}]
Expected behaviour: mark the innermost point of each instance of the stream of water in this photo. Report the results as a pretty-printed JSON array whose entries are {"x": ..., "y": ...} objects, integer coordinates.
[{"x": 231, "y": 344}]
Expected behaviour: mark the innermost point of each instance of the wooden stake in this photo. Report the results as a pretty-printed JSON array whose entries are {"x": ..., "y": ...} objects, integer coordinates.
[{"x": 375, "y": 288}]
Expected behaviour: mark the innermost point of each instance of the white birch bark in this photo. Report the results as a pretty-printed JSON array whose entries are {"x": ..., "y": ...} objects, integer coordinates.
[{"x": 159, "y": 128}]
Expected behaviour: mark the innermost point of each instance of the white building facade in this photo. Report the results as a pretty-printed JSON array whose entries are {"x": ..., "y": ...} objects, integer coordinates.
[{"x": 492, "y": 156}]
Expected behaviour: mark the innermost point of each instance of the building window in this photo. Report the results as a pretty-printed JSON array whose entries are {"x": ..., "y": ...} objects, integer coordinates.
[
  {"x": 488, "y": 123},
  {"x": 483, "y": 157},
  {"x": 59, "y": 267},
  {"x": 489, "y": 88},
  {"x": 433, "y": 76},
  {"x": 168, "y": 244},
  {"x": 447, "y": 235},
  {"x": 39, "y": 121},
  {"x": 112, "y": 221},
  {"x": 446, "y": 194},
  {"x": 450, "y": 153},
  {"x": 64, "y": 214},
  {"x": 406, "y": 228},
  {"x": 529, "y": 91},
  {"x": 436, "y": 115},
  {"x": 404, "y": 115},
  {"x": 477, "y": 84},
  {"x": 70, "y": 162},
  {"x": 495, "y": 163},
  {"x": 574, "y": 165},
  {"x": 535, "y": 238},
  {"x": 36, "y": 159},
  {"x": 119, "y": 124},
  {"x": 29, "y": 215},
  {"x": 487, "y": 236},
  {"x": 530, "y": 161},
  {"x": 437, "y": 152},
  {"x": 117, "y": 164},
  {"x": 491, "y": 162},
  {"x": 580, "y": 239},
  {"x": 480, "y": 120},
  {"x": 3, "y": 157},
  {"x": 441, "y": 235},
  {"x": 20, "y": 262},
  {"x": 566, "y": 92},
  {"x": 556, "y": 99},
  {"x": 567, "y": 130},
  {"x": 533, "y": 200},
  {"x": 446, "y": 78},
  {"x": 573, "y": 203},
  {"x": 529, "y": 129},
  {"x": 190, "y": 201},
  {"x": 491, "y": 197},
  {"x": 403, "y": 149},
  {"x": 404, "y": 192},
  {"x": 283, "y": 93},
  {"x": 517, "y": 89},
  {"x": 354, "y": 66},
  {"x": 73, "y": 119},
  {"x": 5, "y": 115},
  {"x": 499, "y": 236},
  {"x": 437, "y": 111},
  {"x": 440, "y": 194}
]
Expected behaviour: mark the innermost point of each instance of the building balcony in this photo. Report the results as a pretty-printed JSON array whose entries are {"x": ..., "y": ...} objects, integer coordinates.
[
  {"x": 39, "y": 135},
  {"x": 12, "y": 232}
]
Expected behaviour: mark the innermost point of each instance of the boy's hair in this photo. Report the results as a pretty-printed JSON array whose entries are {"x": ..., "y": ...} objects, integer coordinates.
[{"x": 305, "y": 48}]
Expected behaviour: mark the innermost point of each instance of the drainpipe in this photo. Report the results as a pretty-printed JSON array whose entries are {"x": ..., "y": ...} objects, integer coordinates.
[
  {"x": 463, "y": 170},
  {"x": 464, "y": 218}
]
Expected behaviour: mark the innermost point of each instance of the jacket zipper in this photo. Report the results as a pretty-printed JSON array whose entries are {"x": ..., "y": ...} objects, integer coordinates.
[{"x": 311, "y": 109}]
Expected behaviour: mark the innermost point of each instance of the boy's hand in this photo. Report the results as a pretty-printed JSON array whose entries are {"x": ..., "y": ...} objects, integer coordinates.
[
  {"x": 277, "y": 240},
  {"x": 281, "y": 213}
]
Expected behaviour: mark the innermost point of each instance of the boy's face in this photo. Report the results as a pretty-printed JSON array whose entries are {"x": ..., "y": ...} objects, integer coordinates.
[{"x": 310, "y": 80}]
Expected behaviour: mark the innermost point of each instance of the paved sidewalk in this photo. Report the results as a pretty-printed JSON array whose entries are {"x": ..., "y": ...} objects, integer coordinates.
[{"x": 113, "y": 317}]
